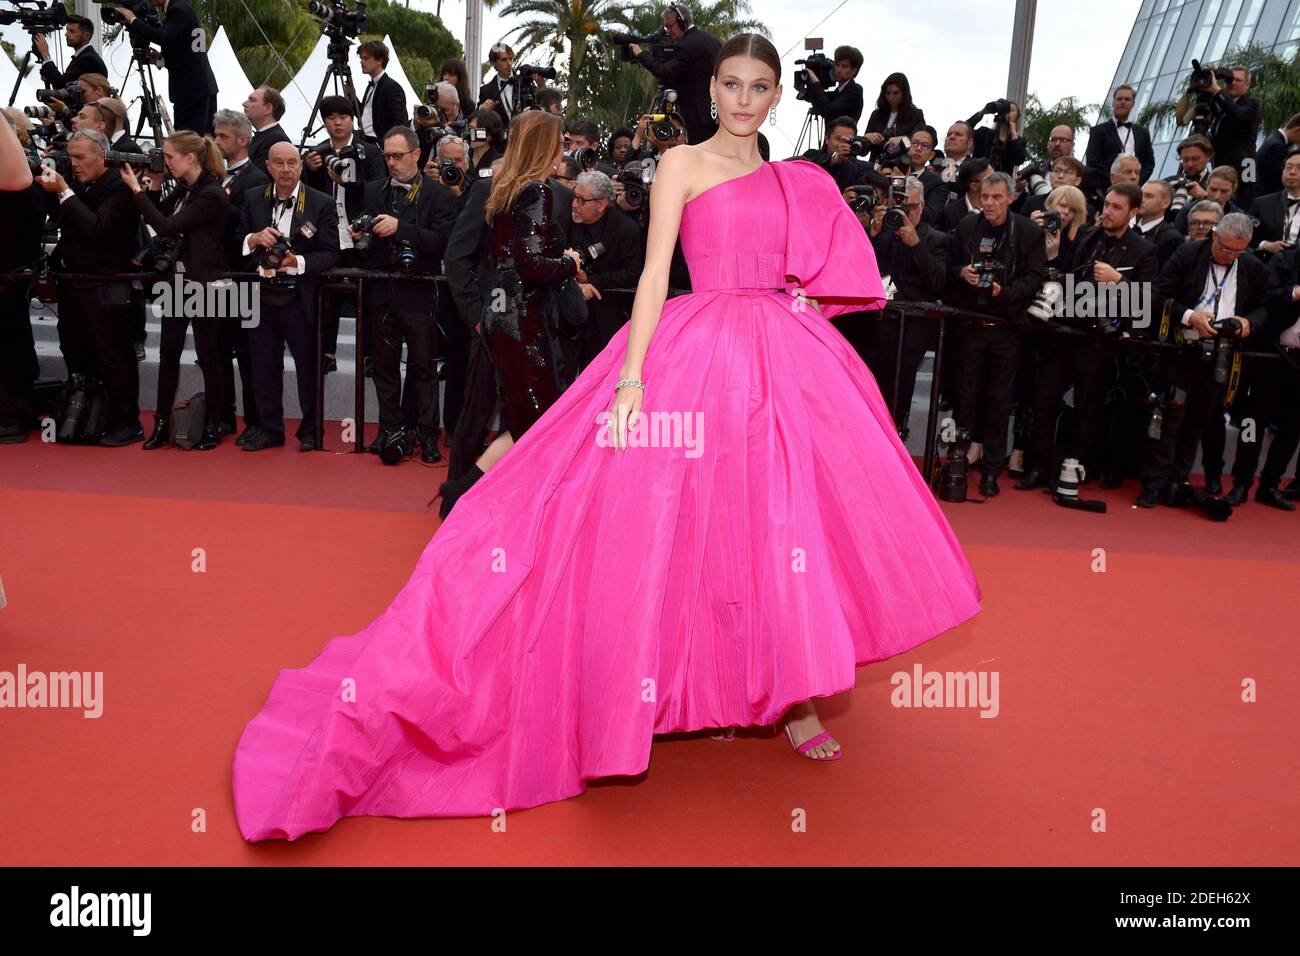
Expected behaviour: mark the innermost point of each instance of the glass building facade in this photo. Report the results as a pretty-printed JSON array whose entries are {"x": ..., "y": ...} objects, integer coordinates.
[{"x": 1169, "y": 34}]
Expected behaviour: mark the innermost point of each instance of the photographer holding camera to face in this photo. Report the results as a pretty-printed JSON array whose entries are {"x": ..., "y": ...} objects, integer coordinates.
[
  {"x": 847, "y": 97},
  {"x": 914, "y": 258},
  {"x": 837, "y": 154},
  {"x": 190, "y": 82},
  {"x": 996, "y": 262},
  {"x": 98, "y": 230},
  {"x": 685, "y": 64},
  {"x": 1188, "y": 184},
  {"x": 1217, "y": 106},
  {"x": 1001, "y": 144}
]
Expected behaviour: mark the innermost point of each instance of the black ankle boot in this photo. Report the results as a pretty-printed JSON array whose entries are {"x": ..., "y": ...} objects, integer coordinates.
[
  {"x": 159, "y": 436},
  {"x": 211, "y": 437},
  {"x": 450, "y": 491}
]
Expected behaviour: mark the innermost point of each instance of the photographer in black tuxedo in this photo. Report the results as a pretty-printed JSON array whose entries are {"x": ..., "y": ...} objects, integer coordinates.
[
  {"x": 1151, "y": 222},
  {"x": 1213, "y": 292},
  {"x": 1235, "y": 124},
  {"x": 192, "y": 87},
  {"x": 1110, "y": 254},
  {"x": 359, "y": 162},
  {"x": 233, "y": 133},
  {"x": 98, "y": 230},
  {"x": 1279, "y": 213},
  {"x": 78, "y": 33},
  {"x": 383, "y": 104},
  {"x": 996, "y": 262},
  {"x": 1119, "y": 136},
  {"x": 687, "y": 69},
  {"x": 1272, "y": 153},
  {"x": 847, "y": 97},
  {"x": 413, "y": 218},
  {"x": 915, "y": 258},
  {"x": 1275, "y": 392},
  {"x": 501, "y": 93},
  {"x": 288, "y": 210},
  {"x": 596, "y": 220}
]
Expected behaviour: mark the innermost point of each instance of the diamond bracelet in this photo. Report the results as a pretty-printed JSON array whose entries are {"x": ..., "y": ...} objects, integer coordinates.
[{"x": 630, "y": 381}]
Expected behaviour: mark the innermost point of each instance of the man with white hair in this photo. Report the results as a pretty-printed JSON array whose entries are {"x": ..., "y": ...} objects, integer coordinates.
[
  {"x": 1211, "y": 288},
  {"x": 612, "y": 257},
  {"x": 98, "y": 230}
]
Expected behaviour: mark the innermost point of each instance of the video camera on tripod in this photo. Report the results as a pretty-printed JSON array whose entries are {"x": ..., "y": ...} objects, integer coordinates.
[
  {"x": 524, "y": 80},
  {"x": 655, "y": 43},
  {"x": 44, "y": 18},
  {"x": 822, "y": 66},
  {"x": 1203, "y": 100},
  {"x": 338, "y": 20},
  {"x": 143, "y": 9}
]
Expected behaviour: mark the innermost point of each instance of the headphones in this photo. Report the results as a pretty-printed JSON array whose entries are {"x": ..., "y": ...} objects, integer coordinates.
[{"x": 682, "y": 13}]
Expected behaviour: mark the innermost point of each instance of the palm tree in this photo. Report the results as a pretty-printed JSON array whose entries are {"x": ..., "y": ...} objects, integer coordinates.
[
  {"x": 1039, "y": 121},
  {"x": 1276, "y": 85}
]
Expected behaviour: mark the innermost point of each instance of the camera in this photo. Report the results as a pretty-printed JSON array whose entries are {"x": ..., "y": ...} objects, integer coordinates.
[
  {"x": 404, "y": 255},
  {"x": 624, "y": 40},
  {"x": 398, "y": 445},
  {"x": 660, "y": 127},
  {"x": 989, "y": 270},
  {"x": 273, "y": 256},
  {"x": 587, "y": 158},
  {"x": 344, "y": 162},
  {"x": 822, "y": 66},
  {"x": 71, "y": 95},
  {"x": 141, "y": 8},
  {"x": 44, "y": 19},
  {"x": 338, "y": 19},
  {"x": 1181, "y": 194},
  {"x": 1203, "y": 77},
  {"x": 589, "y": 254},
  {"x": 424, "y": 111},
  {"x": 864, "y": 199},
  {"x": 1045, "y": 302},
  {"x": 896, "y": 214},
  {"x": 1035, "y": 178},
  {"x": 1202, "y": 99},
  {"x": 150, "y": 161},
  {"x": 158, "y": 255},
  {"x": 951, "y": 479},
  {"x": 38, "y": 112},
  {"x": 365, "y": 226},
  {"x": 449, "y": 174},
  {"x": 636, "y": 178},
  {"x": 897, "y": 154},
  {"x": 859, "y": 146},
  {"x": 998, "y": 109},
  {"x": 1051, "y": 222},
  {"x": 1222, "y": 346}
]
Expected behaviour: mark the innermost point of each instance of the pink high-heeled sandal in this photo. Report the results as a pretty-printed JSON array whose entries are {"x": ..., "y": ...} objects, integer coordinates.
[
  {"x": 729, "y": 735},
  {"x": 803, "y": 748}
]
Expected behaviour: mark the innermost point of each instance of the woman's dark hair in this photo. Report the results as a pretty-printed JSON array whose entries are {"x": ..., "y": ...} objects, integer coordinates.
[
  {"x": 750, "y": 44},
  {"x": 905, "y": 107},
  {"x": 457, "y": 69},
  {"x": 490, "y": 120}
]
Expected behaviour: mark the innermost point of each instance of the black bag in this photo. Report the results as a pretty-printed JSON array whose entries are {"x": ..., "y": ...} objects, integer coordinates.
[
  {"x": 189, "y": 418},
  {"x": 81, "y": 413}
]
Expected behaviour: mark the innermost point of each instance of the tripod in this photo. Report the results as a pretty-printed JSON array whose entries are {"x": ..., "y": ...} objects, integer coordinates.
[
  {"x": 148, "y": 96},
  {"x": 811, "y": 125},
  {"x": 22, "y": 71},
  {"x": 341, "y": 74}
]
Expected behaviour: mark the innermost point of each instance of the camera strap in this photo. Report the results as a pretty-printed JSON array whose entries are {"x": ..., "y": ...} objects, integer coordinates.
[
  {"x": 1212, "y": 298},
  {"x": 408, "y": 199}
]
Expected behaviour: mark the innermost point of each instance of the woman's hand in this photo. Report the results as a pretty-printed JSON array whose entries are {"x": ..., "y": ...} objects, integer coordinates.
[
  {"x": 577, "y": 259},
  {"x": 627, "y": 402},
  {"x": 1052, "y": 243},
  {"x": 129, "y": 177}
]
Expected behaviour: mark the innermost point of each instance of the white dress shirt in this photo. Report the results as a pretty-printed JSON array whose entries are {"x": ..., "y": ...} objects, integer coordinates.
[
  {"x": 282, "y": 221},
  {"x": 368, "y": 107},
  {"x": 1227, "y": 304}
]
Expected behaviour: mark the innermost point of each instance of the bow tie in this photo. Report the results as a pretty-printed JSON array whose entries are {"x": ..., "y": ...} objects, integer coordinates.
[{"x": 1291, "y": 202}]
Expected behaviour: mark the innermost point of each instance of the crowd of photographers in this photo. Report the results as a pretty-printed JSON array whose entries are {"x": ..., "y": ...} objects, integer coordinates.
[{"x": 1202, "y": 263}]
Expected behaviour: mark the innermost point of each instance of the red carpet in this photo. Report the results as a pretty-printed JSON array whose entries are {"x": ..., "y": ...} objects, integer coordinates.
[{"x": 1119, "y": 690}]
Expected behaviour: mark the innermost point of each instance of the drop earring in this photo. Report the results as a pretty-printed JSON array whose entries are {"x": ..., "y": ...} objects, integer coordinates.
[
  {"x": 713, "y": 109},
  {"x": 771, "y": 116}
]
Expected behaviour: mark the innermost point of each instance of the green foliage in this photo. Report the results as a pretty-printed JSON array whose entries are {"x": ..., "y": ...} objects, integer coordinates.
[{"x": 1039, "y": 120}]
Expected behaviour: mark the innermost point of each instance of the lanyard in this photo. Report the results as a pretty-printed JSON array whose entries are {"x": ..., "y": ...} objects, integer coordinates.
[{"x": 1212, "y": 299}]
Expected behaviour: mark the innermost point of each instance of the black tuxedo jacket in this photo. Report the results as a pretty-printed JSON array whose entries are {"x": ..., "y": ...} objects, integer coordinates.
[
  {"x": 937, "y": 195},
  {"x": 1104, "y": 145},
  {"x": 1268, "y": 163},
  {"x": 84, "y": 61},
  {"x": 1183, "y": 278},
  {"x": 1133, "y": 255},
  {"x": 1167, "y": 240},
  {"x": 847, "y": 100},
  {"x": 1021, "y": 248},
  {"x": 260, "y": 145},
  {"x": 201, "y": 221},
  {"x": 688, "y": 71},
  {"x": 491, "y": 90},
  {"x": 918, "y": 272},
  {"x": 1283, "y": 276},
  {"x": 99, "y": 227},
  {"x": 189, "y": 77},
  {"x": 1271, "y": 212},
  {"x": 466, "y": 279},
  {"x": 248, "y": 179},
  {"x": 320, "y": 253},
  {"x": 389, "y": 109},
  {"x": 619, "y": 267},
  {"x": 1234, "y": 136},
  {"x": 128, "y": 145},
  {"x": 426, "y": 224}
]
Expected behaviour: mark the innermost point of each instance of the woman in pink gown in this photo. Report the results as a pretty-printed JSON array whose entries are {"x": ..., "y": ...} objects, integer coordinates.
[{"x": 749, "y": 532}]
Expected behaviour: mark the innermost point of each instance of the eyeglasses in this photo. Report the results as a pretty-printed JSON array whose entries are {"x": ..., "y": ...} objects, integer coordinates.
[
  {"x": 394, "y": 157},
  {"x": 1229, "y": 250},
  {"x": 1060, "y": 139},
  {"x": 579, "y": 201}
]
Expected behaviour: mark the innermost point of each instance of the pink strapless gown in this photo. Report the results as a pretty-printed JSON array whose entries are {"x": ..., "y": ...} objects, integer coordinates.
[{"x": 578, "y": 601}]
